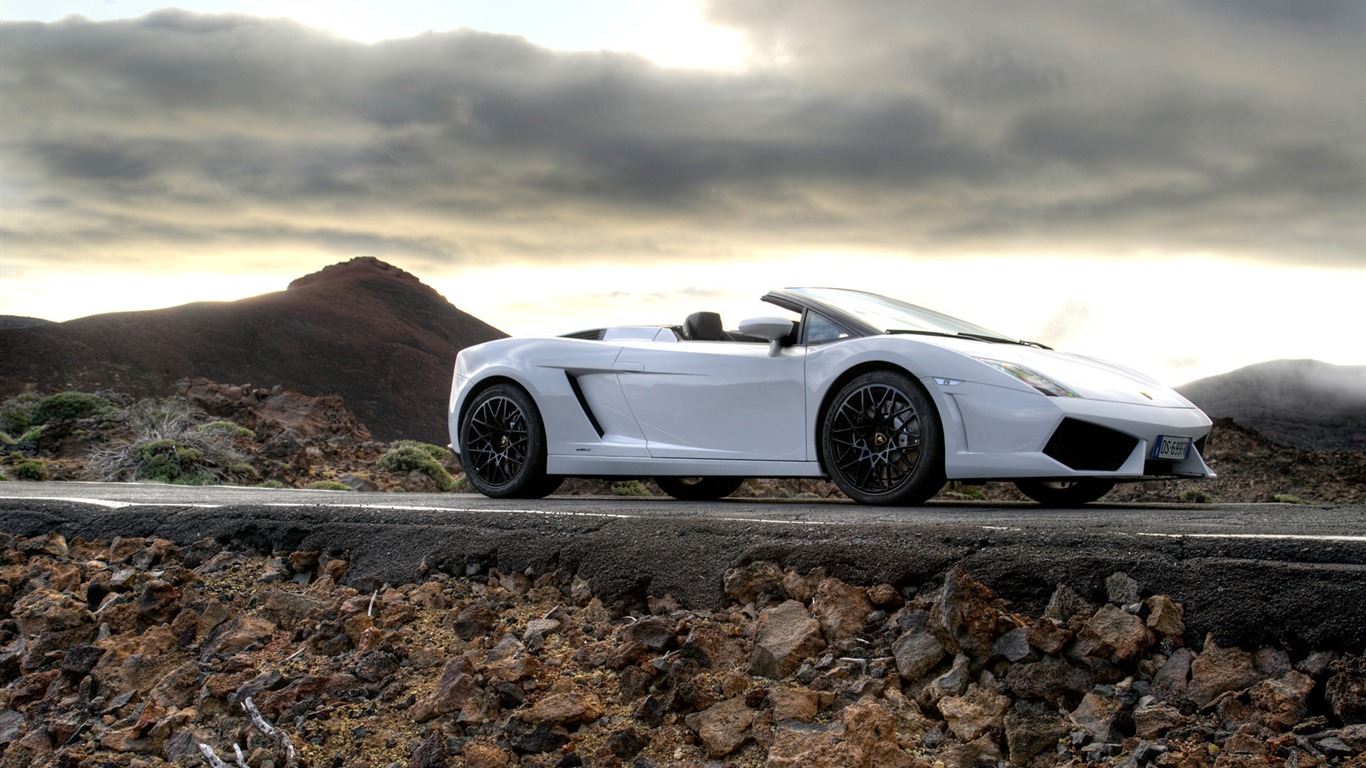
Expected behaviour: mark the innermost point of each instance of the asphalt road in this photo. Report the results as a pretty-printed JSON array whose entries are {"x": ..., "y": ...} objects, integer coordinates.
[{"x": 1254, "y": 574}]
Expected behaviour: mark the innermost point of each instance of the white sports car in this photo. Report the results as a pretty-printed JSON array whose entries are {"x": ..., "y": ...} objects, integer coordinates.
[{"x": 888, "y": 399}]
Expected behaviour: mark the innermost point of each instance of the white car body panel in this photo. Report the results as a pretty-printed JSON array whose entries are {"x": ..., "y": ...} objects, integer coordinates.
[{"x": 639, "y": 401}]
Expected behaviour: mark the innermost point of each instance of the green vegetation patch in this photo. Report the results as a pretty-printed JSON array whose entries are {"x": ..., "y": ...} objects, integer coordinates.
[
  {"x": 630, "y": 488},
  {"x": 407, "y": 456},
  {"x": 329, "y": 485},
  {"x": 33, "y": 469},
  {"x": 437, "y": 452},
  {"x": 168, "y": 461},
  {"x": 226, "y": 428},
  {"x": 68, "y": 406}
]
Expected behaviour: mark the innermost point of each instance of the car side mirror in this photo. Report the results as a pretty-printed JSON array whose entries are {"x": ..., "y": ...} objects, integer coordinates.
[{"x": 770, "y": 329}]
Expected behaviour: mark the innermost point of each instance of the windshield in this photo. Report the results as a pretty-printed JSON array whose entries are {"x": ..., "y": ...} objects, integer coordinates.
[{"x": 892, "y": 316}]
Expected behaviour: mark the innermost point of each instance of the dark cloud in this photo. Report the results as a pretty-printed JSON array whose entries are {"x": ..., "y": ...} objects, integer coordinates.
[{"x": 1230, "y": 127}]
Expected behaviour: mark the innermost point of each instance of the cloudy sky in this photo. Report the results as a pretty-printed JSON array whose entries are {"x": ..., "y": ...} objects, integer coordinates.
[{"x": 1180, "y": 186}]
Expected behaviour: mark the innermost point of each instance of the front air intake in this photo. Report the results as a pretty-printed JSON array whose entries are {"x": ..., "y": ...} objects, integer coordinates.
[{"x": 1088, "y": 447}]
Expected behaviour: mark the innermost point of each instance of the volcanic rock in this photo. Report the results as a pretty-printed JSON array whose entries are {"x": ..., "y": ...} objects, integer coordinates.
[
  {"x": 840, "y": 609},
  {"x": 786, "y": 634},
  {"x": 724, "y": 726},
  {"x": 1219, "y": 670}
]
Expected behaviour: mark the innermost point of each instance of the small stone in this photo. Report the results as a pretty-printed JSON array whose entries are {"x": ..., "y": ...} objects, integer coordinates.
[
  {"x": 654, "y": 632},
  {"x": 841, "y": 610},
  {"x": 916, "y": 653},
  {"x": 1283, "y": 702},
  {"x": 245, "y": 631},
  {"x": 1013, "y": 645},
  {"x": 455, "y": 688},
  {"x": 1166, "y": 616},
  {"x": 544, "y": 737},
  {"x": 1112, "y": 634},
  {"x": 800, "y": 704},
  {"x": 541, "y": 628},
  {"x": 1099, "y": 716},
  {"x": 747, "y": 584},
  {"x": 712, "y": 647},
  {"x": 1219, "y": 670},
  {"x": 1047, "y": 635},
  {"x": 565, "y": 709},
  {"x": 1051, "y": 679},
  {"x": 474, "y": 620},
  {"x": 952, "y": 683},
  {"x": 1171, "y": 682},
  {"x": 1346, "y": 689},
  {"x": 52, "y": 544},
  {"x": 1065, "y": 604},
  {"x": 1153, "y": 720},
  {"x": 802, "y": 586},
  {"x": 1120, "y": 589},
  {"x": 1031, "y": 728},
  {"x": 964, "y": 615},
  {"x": 627, "y": 744},
  {"x": 159, "y": 602},
  {"x": 974, "y": 713},
  {"x": 786, "y": 635},
  {"x": 884, "y": 596},
  {"x": 723, "y": 727}
]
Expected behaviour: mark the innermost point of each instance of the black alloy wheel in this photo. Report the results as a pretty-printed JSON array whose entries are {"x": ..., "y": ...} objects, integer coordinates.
[
  {"x": 502, "y": 445},
  {"x": 699, "y": 488},
  {"x": 1065, "y": 493},
  {"x": 882, "y": 441}
]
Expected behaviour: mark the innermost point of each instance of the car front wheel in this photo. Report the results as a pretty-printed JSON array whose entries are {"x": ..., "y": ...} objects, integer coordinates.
[
  {"x": 699, "y": 488},
  {"x": 502, "y": 445},
  {"x": 1064, "y": 493},
  {"x": 882, "y": 441}
]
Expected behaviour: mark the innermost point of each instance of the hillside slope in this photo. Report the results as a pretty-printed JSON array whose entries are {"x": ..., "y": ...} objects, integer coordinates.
[
  {"x": 362, "y": 329},
  {"x": 1300, "y": 403}
]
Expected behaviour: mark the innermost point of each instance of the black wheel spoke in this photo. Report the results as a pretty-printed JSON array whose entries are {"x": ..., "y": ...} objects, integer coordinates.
[
  {"x": 498, "y": 440},
  {"x": 875, "y": 438}
]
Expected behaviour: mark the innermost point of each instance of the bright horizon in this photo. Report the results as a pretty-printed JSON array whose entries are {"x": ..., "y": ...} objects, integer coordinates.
[{"x": 1131, "y": 185}]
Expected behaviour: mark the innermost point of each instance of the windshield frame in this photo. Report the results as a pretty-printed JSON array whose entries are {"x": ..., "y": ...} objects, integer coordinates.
[{"x": 871, "y": 314}]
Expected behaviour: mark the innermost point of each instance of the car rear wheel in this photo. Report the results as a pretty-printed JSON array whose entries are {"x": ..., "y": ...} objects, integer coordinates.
[
  {"x": 1064, "y": 493},
  {"x": 882, "y": 442},
  {"x": 502, "y": 445},
  {"x": 699, "y": 488}
]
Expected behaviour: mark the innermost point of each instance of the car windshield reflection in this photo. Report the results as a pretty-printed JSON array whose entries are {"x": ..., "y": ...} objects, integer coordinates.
[{"x": 892, "y": 316}]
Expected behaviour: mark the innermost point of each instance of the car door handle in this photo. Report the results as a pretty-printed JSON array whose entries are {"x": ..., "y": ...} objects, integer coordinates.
[{"x": 629, "y": 367}]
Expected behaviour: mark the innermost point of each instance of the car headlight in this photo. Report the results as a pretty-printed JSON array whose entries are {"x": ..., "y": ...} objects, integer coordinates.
[{"x": 1031, "y": 377}]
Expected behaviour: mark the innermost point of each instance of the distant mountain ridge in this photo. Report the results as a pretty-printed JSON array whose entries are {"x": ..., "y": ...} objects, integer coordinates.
[
  {"x": 1301, "y": 403},
  {"x": 19, "y": 321},
  {"x": 362, "y": 329}
]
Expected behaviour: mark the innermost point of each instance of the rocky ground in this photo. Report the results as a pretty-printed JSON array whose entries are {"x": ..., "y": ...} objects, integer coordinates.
[
  {"x": 137, "y": 652},
  {"x": 290, "y": 439}
]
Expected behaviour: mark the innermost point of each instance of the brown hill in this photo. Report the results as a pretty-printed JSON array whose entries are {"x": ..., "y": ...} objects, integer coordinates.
[
  {"x": 1300, "y": 403},
  {"x": 363, "y": 329}
]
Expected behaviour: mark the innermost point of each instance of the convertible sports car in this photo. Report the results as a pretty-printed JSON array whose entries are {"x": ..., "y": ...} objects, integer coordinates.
[{"x": 888, "y": 399}]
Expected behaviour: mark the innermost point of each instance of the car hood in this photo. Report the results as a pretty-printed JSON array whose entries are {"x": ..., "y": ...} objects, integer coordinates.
[{"x": 1089, "y": 377}]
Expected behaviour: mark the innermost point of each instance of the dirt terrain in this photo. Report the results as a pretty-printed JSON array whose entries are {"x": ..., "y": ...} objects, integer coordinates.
[{"x": 138, "y": 652}]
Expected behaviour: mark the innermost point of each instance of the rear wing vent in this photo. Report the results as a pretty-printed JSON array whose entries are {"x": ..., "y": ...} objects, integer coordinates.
[{"x": 594, "y": 335}]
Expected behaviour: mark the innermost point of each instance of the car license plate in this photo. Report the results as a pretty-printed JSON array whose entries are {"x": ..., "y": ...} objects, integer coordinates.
[{"x": 1172, "y": 448}]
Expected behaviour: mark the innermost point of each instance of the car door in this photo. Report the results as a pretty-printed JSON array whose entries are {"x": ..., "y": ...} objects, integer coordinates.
[{"x": 717, "y": 399}]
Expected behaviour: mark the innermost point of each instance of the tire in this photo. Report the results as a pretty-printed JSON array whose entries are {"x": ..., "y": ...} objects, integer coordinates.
[
  {"x": 502, "y": 445},
  {"x": 1064, "y": 493},
  {"x": 882, "y": 442},
  {"x": 699, "y": 488}
]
